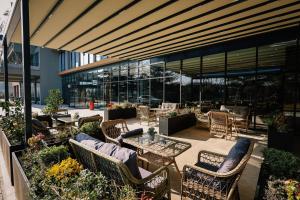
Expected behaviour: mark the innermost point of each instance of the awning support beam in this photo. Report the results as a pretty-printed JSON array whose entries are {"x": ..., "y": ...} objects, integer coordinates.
[
  {"x": 26, "y": 67},
  {"x": 5, "y": 62}
]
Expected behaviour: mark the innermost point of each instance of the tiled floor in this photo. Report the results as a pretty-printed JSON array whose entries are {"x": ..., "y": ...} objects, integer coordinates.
[{"x": 200, "y": 140}]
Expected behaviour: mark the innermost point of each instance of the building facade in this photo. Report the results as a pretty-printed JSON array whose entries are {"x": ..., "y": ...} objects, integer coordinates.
[{"x": 258, "y": 71}]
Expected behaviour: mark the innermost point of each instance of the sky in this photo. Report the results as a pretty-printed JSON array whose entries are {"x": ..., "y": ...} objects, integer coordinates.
[{"x": 4, "y": 5}]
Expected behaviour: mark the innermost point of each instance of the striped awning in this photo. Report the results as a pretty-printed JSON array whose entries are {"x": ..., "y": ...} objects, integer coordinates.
[{"x": 139, "y": 29}]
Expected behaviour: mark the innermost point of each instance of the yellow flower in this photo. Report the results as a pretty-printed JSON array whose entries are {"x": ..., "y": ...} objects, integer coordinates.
[{"x": 64, "y": 169}]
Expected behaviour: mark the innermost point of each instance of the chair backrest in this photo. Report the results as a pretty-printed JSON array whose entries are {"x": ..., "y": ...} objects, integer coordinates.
[
  {"x": 96, "y": 161},
  {"x": 45, "y": 118},
  {"x": 169, "y": 106},
  {"x": 144, "y": 111},
  {"x": 94, "y": 118},
  {"x": 114, "y": 128},
  {"x": 39, "y": 127},
  {"x": 217, "y": 117}
]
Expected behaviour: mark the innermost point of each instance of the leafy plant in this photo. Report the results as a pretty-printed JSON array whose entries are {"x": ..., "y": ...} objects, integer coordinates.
[
  {"x": 172, "y": 114},
  {"x": 151, "y": 132},
  {"x": 53, "y": 101},
  {"x": 90, "y": 128},
  {"x": 275, "y": 189},
  {"x": 292, "y": 188},
  {"x": 281, "y": 164},
  {"x": 35, "y": 142},
  {"x": 13, "y": 125},
  {"x": 53, "y": 154}
]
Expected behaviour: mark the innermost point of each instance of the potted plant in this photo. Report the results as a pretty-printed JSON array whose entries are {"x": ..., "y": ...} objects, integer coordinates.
[
  {"x": 280, "y": 132},
  {"x": 279, "y": 171},
  {"x": 151, "y": 133},
  {"x": 12, "y": 134},
  {"x": 172, "y": 122},
  {"x": 53, "y": 101}
]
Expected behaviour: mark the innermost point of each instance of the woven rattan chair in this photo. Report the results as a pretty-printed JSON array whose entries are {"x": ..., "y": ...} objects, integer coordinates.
[
  {"x": 94, "y": 118},
  {"x": 112, "y": 129},
  {"x": 220, "y": 124},
  {"x": 156, "y": 185},
  {"x": 147, "y": 115},
  {"x": 202, "y": 183}
]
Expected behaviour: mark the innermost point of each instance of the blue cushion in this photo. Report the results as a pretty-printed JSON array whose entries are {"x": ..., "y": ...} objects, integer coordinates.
[
  {"x": 130, "y": 134},
  {"x": 127, "y": 156},
  {"x": 235, "y": 155},
  {"x": 89, "y": 140}
]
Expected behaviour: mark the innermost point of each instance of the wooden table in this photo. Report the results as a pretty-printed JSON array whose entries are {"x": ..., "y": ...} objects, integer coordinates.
[
  {"x": 160, "y": 151},
  {"x": 67, "y": 120}
]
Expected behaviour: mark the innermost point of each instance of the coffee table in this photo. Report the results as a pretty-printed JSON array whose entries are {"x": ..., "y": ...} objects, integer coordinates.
[
  {"x": 162, "y": 150},
  {"x": 67, "y": 120}
]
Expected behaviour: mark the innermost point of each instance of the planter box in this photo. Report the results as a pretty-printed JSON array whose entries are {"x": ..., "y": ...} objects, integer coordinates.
[
  {"x": 281, "y": 141},
  {"x": 22, "y": 186},
  {"x": 123, "y": 113},
  {"x": 261, "y": 183},
  {"x": 7, "y": 150},
  {"x": 168, "y": 126}
]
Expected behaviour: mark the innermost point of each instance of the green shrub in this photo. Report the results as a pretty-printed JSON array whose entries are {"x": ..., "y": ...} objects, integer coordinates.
[
  {"x": 281, "y": 164},
  {"x": 90, "y": 128},
  {"x": 13, "y": 125},
  {"x": 53, "y": 154},
  {"x": 53, "y": 101}
]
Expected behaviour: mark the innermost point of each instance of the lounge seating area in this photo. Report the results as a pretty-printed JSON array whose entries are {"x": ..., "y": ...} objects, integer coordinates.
[{"x": 124, "y": 154}]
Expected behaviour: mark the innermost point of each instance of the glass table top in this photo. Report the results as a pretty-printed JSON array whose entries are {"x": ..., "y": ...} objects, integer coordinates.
[{"x": 160, "y": 145}]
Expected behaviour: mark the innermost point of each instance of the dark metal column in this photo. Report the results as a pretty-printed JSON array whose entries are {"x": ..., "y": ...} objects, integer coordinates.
[
  {"x": 5, "y": 49},
  {"x": 200, "y": 84},
  {"x": 225, "y": 81},
  {"x": 26, "y": 67},
  {"x": 35, "y": 91}
]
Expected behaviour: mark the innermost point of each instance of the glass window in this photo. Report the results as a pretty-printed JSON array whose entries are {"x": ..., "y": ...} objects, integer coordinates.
[
  {"x": 172, "y": 82},
  {"x": 189, "y": 82}
]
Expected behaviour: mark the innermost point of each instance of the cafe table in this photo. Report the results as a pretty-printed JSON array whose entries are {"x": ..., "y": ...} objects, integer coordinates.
[
  {"x": 160, "y": 150},
  {"x": 67, "y": 120}
]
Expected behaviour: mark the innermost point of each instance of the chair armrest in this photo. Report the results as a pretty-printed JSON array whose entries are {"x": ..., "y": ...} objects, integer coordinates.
[
  {"x": 199, "y": 179},
  {"x": 111, "y": 140},
  {"x": 157, "y": 184},
  {"x": 211, "y": 157}
]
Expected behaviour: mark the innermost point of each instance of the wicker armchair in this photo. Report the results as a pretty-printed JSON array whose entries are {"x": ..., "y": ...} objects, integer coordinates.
[
  {"x": 156, "y": 185},
  {"x": 112, "y": 129},
  {"x": 204, "y": 182},
  {"x": 220, "y": 124},
  {"x": 94, "y": 118},
  {"x": 147, "y": 115}
]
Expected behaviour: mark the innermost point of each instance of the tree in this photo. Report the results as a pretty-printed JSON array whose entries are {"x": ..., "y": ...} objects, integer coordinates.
[{"x": 53, "y": 101}]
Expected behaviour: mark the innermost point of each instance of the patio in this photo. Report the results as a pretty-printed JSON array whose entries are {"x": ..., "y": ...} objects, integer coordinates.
[{"x": 200, "y": 140}]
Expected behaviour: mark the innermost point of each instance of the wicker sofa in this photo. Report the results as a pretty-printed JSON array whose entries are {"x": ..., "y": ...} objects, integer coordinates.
[
  {"x": 215, "y": 176},
  {"x": 113, "y": 162}
]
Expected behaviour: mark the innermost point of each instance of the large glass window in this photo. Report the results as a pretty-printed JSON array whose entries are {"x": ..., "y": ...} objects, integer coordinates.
[{"x": 172, "y": 82}]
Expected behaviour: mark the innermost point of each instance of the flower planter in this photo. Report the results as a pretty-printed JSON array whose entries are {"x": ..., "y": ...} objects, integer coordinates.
[
  {"x": 170, "y": 125},
  {"x": 7, "y": 150},
  {"x": 122, "y": 113},
  {"x": 22, "y": 186},
  {"x": 281, "y": 141}
]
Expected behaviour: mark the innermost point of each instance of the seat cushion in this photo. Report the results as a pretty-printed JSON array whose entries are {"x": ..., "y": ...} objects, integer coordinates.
[
  {"x": 235, "y": 155},
  {"x": 207, "y": 166},
  {"x": 144, "y": 173}
]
